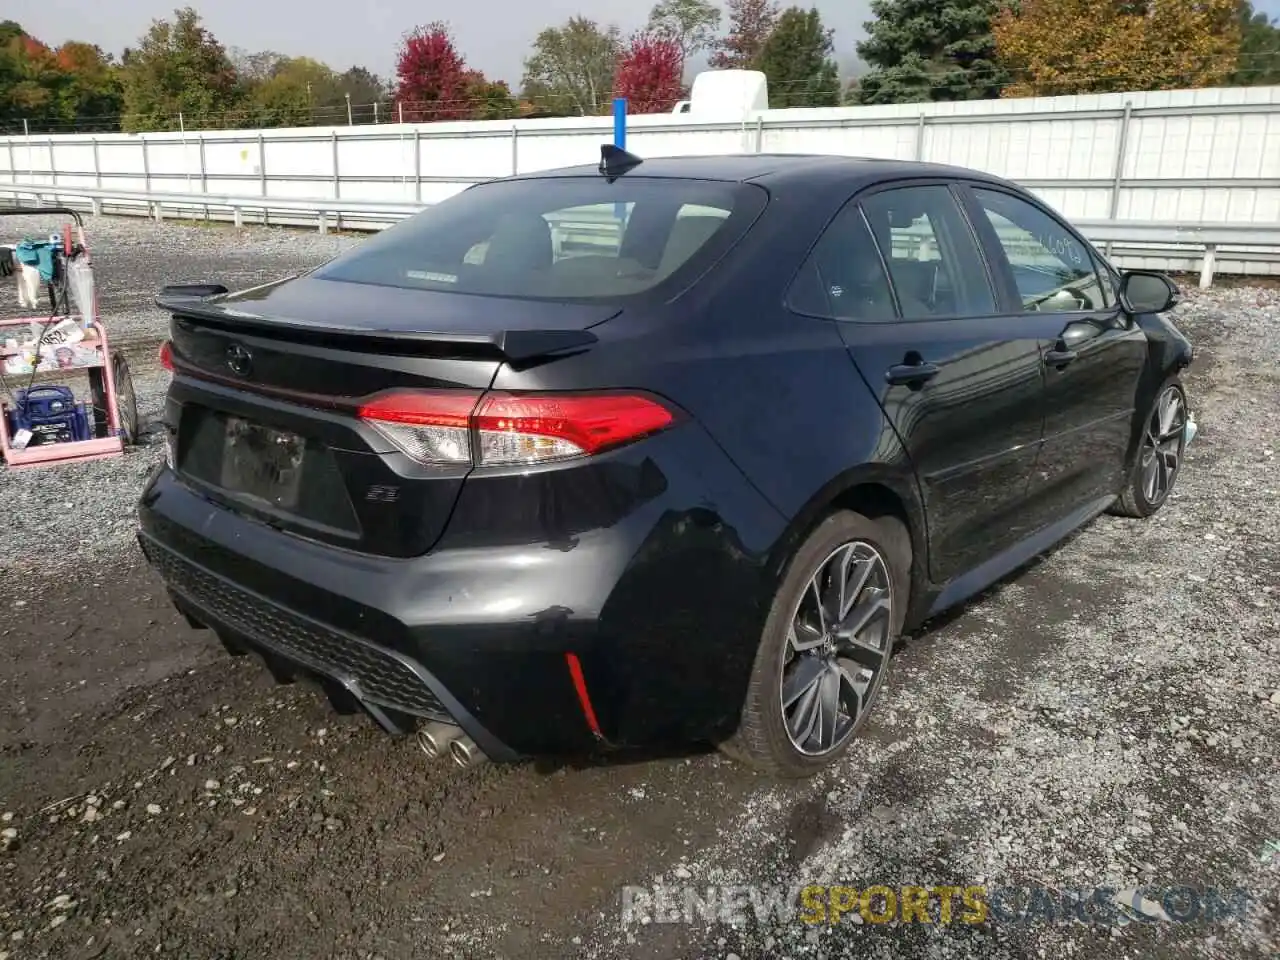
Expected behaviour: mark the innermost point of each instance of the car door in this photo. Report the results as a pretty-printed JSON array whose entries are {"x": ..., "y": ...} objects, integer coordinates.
[
  {"x": 1093, "y": 352},
  {"x": 902, "y": 269}
]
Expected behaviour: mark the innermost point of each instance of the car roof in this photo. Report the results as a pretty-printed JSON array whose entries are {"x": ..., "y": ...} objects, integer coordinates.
[{"x": 776, "y": 169}]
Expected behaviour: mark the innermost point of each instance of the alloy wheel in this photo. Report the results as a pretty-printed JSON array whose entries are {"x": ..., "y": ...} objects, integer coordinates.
[
  {"x": 1163, "y": 445},
  {"x": 838, "y": 644}
]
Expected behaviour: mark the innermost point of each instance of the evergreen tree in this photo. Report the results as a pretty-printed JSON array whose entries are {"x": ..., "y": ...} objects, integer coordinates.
[
  {"x": 797, "y": 61},
  {"x": 1259, "y": 49},
  {"x": 924, "y": 50}
]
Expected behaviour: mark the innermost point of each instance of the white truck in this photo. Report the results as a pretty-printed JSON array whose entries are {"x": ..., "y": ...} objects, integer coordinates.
[{"x": 725, "y": 95}]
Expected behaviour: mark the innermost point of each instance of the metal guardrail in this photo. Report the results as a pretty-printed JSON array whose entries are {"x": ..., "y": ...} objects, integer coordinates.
[
  {"x": 318, "y": 210},
  {"x": 1208, "y": 242}
]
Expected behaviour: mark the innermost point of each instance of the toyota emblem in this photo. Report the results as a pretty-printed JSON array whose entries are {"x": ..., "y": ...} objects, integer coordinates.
[{"x": 239, "y": 359}]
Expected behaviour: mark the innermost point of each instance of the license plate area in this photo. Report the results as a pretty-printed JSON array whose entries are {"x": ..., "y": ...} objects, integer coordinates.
[
  {"x": 263, "y": 469},
  {"x": 262, "y": 463}
]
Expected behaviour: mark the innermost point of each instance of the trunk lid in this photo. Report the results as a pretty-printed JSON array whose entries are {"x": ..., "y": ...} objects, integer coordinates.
[{"x": 267, "y": 383}]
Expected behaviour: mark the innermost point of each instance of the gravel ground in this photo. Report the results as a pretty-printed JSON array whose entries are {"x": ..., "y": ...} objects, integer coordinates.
[{"x": 1104, "y": 718}]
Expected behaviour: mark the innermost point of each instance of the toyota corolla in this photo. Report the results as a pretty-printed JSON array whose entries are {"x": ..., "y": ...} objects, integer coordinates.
[{"x": 655, "y": 451}]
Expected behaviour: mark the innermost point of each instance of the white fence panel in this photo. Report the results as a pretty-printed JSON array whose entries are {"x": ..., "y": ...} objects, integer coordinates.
[{"x": 1183, "y": 158}]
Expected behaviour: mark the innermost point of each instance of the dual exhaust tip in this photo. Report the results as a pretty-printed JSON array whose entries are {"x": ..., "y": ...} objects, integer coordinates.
[{"x": 446, "y": 739}]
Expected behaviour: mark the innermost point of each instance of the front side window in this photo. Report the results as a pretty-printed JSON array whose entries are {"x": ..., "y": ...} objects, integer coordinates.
[
  {"x": 933, "y": 256},
  {"x": 1110, "y": 285},
  {"x": 563, "y": 238},
  {"x": 1054, "y": 272}
]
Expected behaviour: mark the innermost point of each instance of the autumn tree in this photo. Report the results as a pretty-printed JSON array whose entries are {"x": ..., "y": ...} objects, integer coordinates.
[
  {"x": 254, "y": 67},
  {"x": 571, "y": 68},
  {"x": 921, "y": 50},
  {"x": 434, "y": 81},
  {"x": 76, "y": 86},
  {"x": 750, "y": 23},
  {"x": 649, "y": 73},
  {"x": 1259, "y": 63},
  {"x": 28, "y": 78},
  {"x": 178, "y": 68},
  {"x": 371, "y": 97},
  {"x": 1059, "y": 47},
  {"x": 690, "y": 24},
  {"x": 489, "y": 99},
  {"x": 90, "y": 91},
  {"x": 287, "y": 95},
  {"x": 797, "y": 61}
]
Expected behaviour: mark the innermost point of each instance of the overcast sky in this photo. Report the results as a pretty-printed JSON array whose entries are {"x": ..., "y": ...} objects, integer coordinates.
[{"x": 367, "y": 32}]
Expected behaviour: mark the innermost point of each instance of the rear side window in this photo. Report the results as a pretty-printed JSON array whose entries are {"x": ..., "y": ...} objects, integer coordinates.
[
  {"x": 932, "y": 253},
  {"x": 844, "y": 279},
  {"x": 570, "y": 238}
]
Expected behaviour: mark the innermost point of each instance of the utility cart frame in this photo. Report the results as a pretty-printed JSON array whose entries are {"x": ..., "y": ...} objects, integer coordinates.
[{"x": 111, "y": 416}]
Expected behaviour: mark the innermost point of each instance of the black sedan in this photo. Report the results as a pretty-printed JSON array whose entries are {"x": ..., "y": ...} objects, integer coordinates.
[{"x": 654, "y": 452}]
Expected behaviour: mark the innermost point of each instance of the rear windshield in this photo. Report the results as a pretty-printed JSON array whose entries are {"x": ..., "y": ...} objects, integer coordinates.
[{"x": 572, "y": 238}]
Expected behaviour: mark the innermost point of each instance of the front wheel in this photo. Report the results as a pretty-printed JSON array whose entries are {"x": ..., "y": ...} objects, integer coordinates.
[
  {"x": 1164, "y": 441},
  {"x": 826, "y": 645}
]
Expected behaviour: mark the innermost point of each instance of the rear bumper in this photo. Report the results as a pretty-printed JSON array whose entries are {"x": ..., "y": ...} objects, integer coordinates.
[
  {"x": 395, "y": 689},
  {"x": 660, "y": 608}
]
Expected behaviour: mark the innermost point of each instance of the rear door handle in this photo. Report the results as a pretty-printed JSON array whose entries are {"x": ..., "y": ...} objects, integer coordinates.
[
  {"x": 1059, "y": 358},
  {"x": 911, "y": 374}
]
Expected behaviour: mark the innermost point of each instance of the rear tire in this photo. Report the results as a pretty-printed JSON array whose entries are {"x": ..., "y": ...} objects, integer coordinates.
[
  {"x": 820, "y": 667},
  {"x": 1159, "y": 459}
]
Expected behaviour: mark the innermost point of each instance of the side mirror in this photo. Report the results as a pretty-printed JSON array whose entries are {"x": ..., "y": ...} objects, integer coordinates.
[{"x": 1143, "y": 291}]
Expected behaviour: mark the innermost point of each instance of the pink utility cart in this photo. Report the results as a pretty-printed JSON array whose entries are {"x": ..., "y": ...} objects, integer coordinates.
[{"x": 48, "y": 348}]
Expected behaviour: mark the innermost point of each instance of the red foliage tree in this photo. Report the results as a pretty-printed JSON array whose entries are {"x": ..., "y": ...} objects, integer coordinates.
[
  {"x": 433, "y": 80},
  {"x": 750, "y": 24},
  {"x": 649, "y": 74},
  {"x": 33, "y": 49}
]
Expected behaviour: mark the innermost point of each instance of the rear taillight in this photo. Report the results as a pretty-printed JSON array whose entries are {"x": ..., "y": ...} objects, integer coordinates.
[
  {"x": 429, "y": 426},
  {"x": 166, "y": 355},
  {"x": 459, "y": 426}
]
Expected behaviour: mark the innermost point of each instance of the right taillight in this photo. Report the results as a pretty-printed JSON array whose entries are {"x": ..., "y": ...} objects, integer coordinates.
[{"x": 460, "y": 426}]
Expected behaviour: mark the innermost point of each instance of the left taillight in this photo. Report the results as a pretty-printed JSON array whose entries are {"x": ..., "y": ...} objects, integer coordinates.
[
  {"x": 461, "y": 427},
  {"x": 166, "y": 355}
]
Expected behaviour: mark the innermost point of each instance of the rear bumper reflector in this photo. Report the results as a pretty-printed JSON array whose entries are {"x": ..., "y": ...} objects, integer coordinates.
[{"x": 584, "y": 698}]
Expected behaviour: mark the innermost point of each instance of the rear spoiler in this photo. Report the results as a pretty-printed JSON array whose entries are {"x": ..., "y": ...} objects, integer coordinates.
[{"x": 515, "y": 346}]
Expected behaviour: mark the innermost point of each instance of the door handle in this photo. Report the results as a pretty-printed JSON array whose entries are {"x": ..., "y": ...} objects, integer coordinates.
[
  {"x": 1059, "y": 358},
  {"x": 911, "y": 374}
]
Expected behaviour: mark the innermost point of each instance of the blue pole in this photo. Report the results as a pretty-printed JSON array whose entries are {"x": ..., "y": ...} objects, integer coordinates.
[
  {"x": 620, "y": 122},
  {"x": 620, "y": 141}
]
